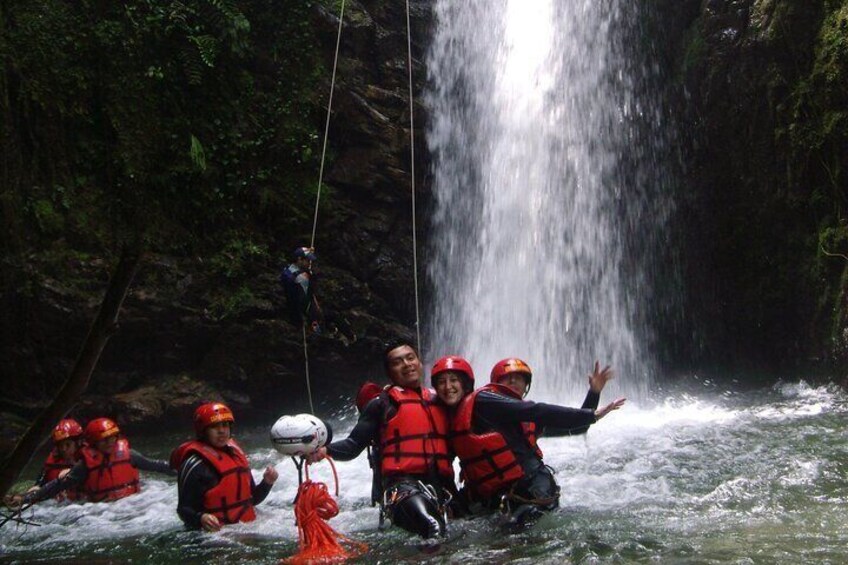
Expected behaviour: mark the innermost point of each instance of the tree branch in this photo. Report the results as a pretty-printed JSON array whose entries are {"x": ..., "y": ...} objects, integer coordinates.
[
  {"x": 103, "y": 326},
  {"x": 826, "y": 252}
]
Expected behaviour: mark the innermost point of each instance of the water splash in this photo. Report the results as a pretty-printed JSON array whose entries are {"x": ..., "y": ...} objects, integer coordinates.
[
  {"x": 544, "y": 202},
  {"x": 712, "y": 476}
]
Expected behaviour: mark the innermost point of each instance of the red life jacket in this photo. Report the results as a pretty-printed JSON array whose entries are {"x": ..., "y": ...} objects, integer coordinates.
[
  {"x": 414, "y": 440},
  {"x": 53, "y": 467},
  {"x": 109, "y": 477},
  {"x": 231, "y": 500},
  {"x": 489, "y": 465}
]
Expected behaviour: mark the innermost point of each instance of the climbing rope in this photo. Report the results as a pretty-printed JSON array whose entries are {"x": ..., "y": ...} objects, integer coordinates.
[
  {"x": 306, "y": 367},
  {"x": 318, "y": 192},
  {"x": 412, "y": 172},
  {"x": 327, "y": 126},
  {"x": 317, "y": 541}
]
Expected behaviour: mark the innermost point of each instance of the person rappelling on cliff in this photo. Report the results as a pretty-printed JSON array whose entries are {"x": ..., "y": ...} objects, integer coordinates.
[
  {"x": 407, "y": 428},
  {"x": 299, "y": 284},
  {"x": 215, "y": 485},
  {"x": 494, "y": 432},
  {"x": 107, "y": 469}
]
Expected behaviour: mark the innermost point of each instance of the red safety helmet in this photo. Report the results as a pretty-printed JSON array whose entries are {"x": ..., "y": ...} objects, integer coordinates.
[
  {"x": 367, "y": 392},
  {"x": 211, "y": 413},
  {"x": 99, "y": 429},
  {"x": 453, "y": 363},
  {"x": 510, "y": 365},
  {"x": 65, "y": 429}
]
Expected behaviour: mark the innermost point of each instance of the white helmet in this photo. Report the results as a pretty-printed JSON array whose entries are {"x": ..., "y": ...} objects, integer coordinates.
[{"x": 300, "y": 434}]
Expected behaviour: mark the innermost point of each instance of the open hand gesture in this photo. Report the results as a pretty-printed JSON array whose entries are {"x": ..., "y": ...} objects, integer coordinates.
[
  {"x": 614, "y": 405},
  {"x": 599, "y": 377}
]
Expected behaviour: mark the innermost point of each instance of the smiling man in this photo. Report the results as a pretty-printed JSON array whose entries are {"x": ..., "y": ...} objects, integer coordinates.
[{"x": 407, "y": 429}]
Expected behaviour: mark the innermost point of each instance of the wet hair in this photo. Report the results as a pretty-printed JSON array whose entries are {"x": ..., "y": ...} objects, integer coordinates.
[
  {"x": 393, "y": 344},
  {"x": 467, "y": 383}
]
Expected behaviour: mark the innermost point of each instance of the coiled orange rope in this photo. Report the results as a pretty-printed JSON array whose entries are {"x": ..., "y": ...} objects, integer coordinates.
[{"x": 317, "y": 541}]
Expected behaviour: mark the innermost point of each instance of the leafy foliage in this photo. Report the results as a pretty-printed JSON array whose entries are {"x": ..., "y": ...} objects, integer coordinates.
[{"x": 166, "y": 121}]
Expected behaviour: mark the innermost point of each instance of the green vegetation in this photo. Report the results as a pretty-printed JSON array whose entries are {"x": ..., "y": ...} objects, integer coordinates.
[
  {"x": 818, "y": 137},
  {"x": 177, "y": 126},
  {"x": 770, "y": 109}
]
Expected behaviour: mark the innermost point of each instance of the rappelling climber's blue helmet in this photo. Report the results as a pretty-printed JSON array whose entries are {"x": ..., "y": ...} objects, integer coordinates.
[{"x": 306, "y": 253}]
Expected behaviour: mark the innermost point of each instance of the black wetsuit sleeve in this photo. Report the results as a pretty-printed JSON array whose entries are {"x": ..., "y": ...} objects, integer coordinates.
[
  {"x": 557, "y": 420},
  {"x": 590, "y": 403},
  {"x": 260, "y": 491},
  {"x": 592, "y": 400},
  {"x": 143, "y": 463},
  {"x": 75, "y": 477},
  {"x": 196, "y": 476},
  {"x": 361, "y": 436},
  {"x": 42, "y": 478}
]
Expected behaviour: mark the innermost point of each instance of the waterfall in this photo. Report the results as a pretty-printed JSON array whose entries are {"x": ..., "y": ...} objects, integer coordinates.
[{"x": 546, "y": 190}]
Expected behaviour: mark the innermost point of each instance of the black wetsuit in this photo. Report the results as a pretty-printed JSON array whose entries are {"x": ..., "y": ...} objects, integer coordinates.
[
  {"x": 414, "y": 502},
  {"x": 79, "y": 473},
  {"x": 196, "y": 476},
  {"x": 503, "y": 414}
]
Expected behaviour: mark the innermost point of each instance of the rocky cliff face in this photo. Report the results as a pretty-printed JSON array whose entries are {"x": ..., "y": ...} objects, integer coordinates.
[
  {"x": 760, "y": 90},
  {"x": 763, "y": 101},
  {"x": 189, "y": 332}
]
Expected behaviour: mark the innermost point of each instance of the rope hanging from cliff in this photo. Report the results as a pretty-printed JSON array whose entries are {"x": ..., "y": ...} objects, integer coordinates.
[
  {"x": 412, "y": 174},
  {"x": 306, "y": 368},
  {"x": 327, "y": 126},
  {"x": 412, "y": 182},
  {"x": 318, "y": 191}
]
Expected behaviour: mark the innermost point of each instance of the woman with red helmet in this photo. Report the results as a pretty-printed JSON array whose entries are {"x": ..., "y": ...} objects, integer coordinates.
[
  {"x": 494, "y": 431},
  {"x": 215, "y": 484},
  {"x": 107, "y": 468},
  {"x": 452, "y": 377}
]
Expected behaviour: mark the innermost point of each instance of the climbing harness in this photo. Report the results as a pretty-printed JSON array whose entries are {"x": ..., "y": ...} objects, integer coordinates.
[
  {"x": 397, "y": 494},
  {"x": 510, "y": 500}
]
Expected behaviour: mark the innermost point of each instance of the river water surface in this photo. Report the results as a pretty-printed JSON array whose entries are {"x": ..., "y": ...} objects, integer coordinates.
[
  {"x": 703, "y": 476},
  {"x": 550, "y": 196}
]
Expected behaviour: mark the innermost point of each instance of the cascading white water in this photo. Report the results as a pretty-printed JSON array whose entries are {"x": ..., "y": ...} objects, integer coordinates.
[
  {"x": 719, "y": 475},
  {"x": 540, "y": 190}
]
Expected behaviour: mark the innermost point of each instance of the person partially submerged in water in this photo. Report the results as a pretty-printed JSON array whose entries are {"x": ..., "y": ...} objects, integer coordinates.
[{"x": 494, "y": 432}]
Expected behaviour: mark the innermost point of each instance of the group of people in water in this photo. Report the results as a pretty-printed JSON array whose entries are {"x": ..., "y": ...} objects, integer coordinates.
[
  {"x": 96, "y": 464},
  {"x": 412, "y": 434}
]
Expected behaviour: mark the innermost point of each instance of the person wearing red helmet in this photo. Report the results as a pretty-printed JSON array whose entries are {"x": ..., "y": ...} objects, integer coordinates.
[
  {"x": 494, "y": 432},
  {"x": 67, "y": 441},
  {"x": 406, "y": 427},
  {"x": 107, "y": 468},
  {"x": 215, "y": 485},
  {"x": 452, "y": 377}
]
